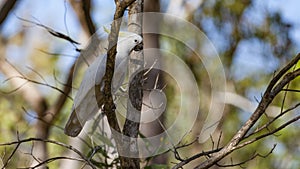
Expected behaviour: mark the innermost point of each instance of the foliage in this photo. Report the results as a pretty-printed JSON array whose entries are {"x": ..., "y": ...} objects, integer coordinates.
[{"x": 253, "y": 42}]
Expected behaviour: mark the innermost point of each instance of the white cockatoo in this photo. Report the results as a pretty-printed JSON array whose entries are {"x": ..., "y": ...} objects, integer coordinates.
[{"x": 85, "y": 105}]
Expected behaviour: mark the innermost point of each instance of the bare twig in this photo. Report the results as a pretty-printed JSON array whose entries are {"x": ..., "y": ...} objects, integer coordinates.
[
  {"x": 53, "y": 32},
  {"x": 267, "y": 134},
  {"x": 187, "y": 144},
  {"x": 291, "y": 90},
  {"x": 272, "y": 121},
  {"x": 12, "y": 154},
  {"x": 249, "y": 159},
  {"x": 202, "y": 154},
  {"x": 52, "y": 160},
  {"x": 35, "y": 82},
  {"x": 219, "y": 139},
  {"x": 19, "y": 142}
]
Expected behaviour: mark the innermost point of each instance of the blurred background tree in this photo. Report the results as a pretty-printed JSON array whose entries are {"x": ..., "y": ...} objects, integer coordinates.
[{"x": 253, "y": 38}]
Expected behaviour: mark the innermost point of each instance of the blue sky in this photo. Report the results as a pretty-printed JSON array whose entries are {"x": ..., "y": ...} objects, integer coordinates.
[
  {"x": 55, "y": 13},
  {"x": 247, "y": 65}
]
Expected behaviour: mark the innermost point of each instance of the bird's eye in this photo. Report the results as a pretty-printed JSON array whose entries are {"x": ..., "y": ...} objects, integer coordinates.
[{"x": 135, "y": 40}]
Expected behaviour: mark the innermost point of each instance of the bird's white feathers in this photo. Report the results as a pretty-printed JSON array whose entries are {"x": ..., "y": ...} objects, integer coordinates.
[{"x": 85, "y": 104}]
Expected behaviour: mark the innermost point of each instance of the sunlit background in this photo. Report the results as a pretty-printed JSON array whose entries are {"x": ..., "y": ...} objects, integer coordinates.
[{"x": 253, "y": 38}]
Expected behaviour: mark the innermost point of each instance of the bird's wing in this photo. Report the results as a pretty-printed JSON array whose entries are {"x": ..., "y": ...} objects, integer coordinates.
[
  {"x": 85, "y": 105},
  {"x": 119, "y": 74},
  {"x": 85, "y": 101}
]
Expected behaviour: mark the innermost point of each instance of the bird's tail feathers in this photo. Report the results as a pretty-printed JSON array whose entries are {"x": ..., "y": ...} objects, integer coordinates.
[{"x": 73, "y": 126}]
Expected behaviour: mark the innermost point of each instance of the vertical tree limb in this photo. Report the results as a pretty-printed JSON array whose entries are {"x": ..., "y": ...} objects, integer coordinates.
[
  {"x": 82, "y": 8},
  {"x": 135, "y": 92},
  {"x": 155, "y": 77},
  {"x": 109, "y": 107}
]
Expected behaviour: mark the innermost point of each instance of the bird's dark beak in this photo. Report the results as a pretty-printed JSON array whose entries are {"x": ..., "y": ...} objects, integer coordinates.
[{"x": 138, "y": 47}]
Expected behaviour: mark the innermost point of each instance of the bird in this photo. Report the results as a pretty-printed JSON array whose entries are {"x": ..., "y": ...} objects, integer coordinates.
[{"x": 85, "y": 105}]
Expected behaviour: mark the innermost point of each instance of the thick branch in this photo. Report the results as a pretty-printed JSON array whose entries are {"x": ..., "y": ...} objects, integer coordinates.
[
  {"x": 268, "y": 97},
  {"x": 82, "y": 9},
  {"x": 109, "y": 107},
  {"x": 134, "y": 103},
  {"x": 7, "y": 6}
]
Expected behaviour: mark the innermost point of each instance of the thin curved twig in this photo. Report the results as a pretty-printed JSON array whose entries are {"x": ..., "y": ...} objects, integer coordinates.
[{"x": 19, "y": 142}]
